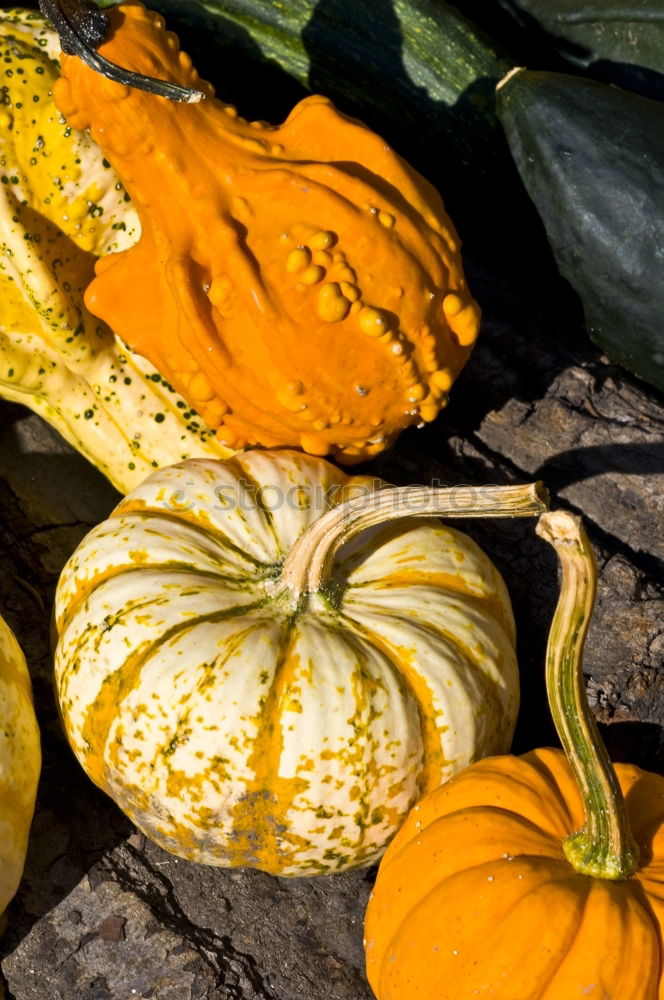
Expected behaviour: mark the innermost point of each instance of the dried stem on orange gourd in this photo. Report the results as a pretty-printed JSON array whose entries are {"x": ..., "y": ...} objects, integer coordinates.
[
  {"x": 604, "y": 847},
  {"x": 82, "y": 26},
  {"x": 308, "y": 565}
]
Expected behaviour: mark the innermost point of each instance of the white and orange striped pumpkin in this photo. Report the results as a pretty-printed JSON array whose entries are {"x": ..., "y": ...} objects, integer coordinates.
[
  {"x": 242, "y": 715},
  {"x": 20, "y": 763}
]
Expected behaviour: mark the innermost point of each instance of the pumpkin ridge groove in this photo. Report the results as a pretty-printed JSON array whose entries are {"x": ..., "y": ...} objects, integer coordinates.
[
  {"x": 206, "y": 671},
  {"x": 433, "y": 759},
  {"x": 435, "y": 890},
  {"x": 489, "y": 603},
  {"x": 112, "y": 573},
  {"x": 256, "y": 489},
  {"x": 102, "y": 712},
  {"x": 561, "y": 801},
  {"x": 135, "y": 799},
  {"x": 440, "y": 632},
  {"x": 571, "y": 942},
  {"x": 259, "y": 811},
  {"x": 363, "y": 806},
  {"x": 75, "y": 606},
  {"x": 475, "y": 660},
  {"x": 214, "y": 533},
  {"x": 200, "y": 619},
  {"x": 523, "y": 821}
]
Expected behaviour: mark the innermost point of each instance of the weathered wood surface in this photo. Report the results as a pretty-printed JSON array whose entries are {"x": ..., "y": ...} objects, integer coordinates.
[{"x": 103, "y": 915}]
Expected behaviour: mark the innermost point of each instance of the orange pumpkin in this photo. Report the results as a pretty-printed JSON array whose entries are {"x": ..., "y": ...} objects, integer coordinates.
[
  {"x": 300, "y": 285},
  {"x": 484, "y": 892}
]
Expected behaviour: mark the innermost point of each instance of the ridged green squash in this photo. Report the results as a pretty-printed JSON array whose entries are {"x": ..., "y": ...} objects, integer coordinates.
[
  {"x": 416, "y": 71},
  {"x": 619, "y": 40},
  {"x": 592, "y": 159}
]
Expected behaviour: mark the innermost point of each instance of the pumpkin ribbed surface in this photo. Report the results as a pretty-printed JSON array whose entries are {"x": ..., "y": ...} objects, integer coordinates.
[
  {"x": 235, "y": 729},
  {"x": 475, "y": 896},
  {"x": 20, "y": 761},
  {"x": 300, "y": 285}
]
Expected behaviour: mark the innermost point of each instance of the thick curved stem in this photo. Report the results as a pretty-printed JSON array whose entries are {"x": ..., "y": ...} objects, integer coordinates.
[
  {"x": 604, "y": 847},
  {"x": 82, "y": 27},
  {"x": 308, "y": 565}
]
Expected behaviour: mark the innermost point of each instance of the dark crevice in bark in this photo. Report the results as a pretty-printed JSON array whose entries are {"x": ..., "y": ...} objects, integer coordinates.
[{"x": 229, "y": 965}]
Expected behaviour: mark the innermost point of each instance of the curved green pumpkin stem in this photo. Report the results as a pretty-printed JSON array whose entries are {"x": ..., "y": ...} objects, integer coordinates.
[
  {"x": 604, "y": 847},
  {"x": 82, "y": 27},
  {"x": 308, "y": 566}
]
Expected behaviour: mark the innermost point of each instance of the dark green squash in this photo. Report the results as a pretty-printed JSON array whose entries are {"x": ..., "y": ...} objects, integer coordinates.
[
  {"x": 416, "y": 71},
  {"x": 621, "y": 41},
  {"x": 592, "y": 159}
]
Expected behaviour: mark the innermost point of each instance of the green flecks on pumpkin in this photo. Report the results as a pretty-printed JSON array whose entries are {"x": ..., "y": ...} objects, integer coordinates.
[{"x": 238, "y": 727}]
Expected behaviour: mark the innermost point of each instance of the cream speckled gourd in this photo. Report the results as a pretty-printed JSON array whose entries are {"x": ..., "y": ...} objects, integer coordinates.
[
  {"x": 20, "y": 761},
  {"x": 61, "y": 207},
  {"x": 257, "y": 685}
]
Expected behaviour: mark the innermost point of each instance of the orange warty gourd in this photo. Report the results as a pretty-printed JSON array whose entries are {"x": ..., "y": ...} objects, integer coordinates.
[
  {"x": 300, "y": 285},
  {"x": 487, "y": 890}
]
